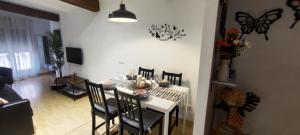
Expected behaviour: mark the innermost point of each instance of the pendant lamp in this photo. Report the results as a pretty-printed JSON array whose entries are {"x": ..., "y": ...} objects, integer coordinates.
[{"x": 122, "y": 15}]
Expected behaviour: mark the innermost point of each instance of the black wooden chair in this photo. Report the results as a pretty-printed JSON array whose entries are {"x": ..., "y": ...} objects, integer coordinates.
[
  {"x": 147, "y": 73},
  {"x": 102, "y": 107},
  {"x": 174, "y": 79},
  {"x": 136, "y": 120}
]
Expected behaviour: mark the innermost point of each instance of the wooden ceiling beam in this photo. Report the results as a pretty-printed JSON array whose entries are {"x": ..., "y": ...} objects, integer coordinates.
[
  {"x": 5, "y": 6},
  {"x": 91, "y": 5}
]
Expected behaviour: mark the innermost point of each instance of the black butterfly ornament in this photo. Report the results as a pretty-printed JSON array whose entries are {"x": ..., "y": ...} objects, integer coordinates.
[
  {"x": 261, "y": 25},
  {"x": 295, "y": 5}
]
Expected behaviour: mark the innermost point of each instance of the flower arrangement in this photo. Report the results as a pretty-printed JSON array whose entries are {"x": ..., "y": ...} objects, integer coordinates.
[
  {"x": 232, "y": 45},
  {"x": 233, "y": 97},
  {"x": 235, "y": 102}
]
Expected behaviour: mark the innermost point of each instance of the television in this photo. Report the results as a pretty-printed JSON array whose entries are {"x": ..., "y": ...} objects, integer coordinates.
[{"x": 74, "y": 55}]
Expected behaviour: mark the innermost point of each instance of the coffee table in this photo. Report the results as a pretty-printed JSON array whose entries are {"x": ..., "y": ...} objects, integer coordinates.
[{"x": 75, "y": 86}]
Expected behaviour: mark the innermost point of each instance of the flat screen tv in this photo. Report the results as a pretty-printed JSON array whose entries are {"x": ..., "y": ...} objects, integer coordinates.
[{"x": 74, "y": 55}]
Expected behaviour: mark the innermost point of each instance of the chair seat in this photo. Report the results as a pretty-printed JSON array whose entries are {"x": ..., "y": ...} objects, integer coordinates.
[
  {"x": 111, "y": 105},
  {"x": 149, "y": 119}
]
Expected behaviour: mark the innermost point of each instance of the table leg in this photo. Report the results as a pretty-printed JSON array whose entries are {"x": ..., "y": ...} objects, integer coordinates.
[
  {"x": 166, "y": 123},
  {"x": 186, "y": 100}
]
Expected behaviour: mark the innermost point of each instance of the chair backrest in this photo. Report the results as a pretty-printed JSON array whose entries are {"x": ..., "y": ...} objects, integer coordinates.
[
  {"x": 172, "y": 77},
  {"x": 96, "y": 95},
  {"x": 132, "y": 107},
  {"x": 147, "y": 73}
]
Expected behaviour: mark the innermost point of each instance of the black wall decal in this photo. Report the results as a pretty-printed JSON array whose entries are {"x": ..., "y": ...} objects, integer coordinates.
[
  {"x": 261, "y": 24},
  {"x": 295, "y": 5},
  {"x": 166, "y": 32}
]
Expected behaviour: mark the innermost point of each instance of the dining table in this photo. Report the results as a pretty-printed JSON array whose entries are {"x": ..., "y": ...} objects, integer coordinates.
[{"x": 160, "y": 99}]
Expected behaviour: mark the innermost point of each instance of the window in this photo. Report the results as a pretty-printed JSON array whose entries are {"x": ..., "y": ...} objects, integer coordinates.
[
  {"x": 4, "y": 60},
  {"x": 23, "y": 61}
]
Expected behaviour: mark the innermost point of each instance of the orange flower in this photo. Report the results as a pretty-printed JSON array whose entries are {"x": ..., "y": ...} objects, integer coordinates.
[
  {"x": 233, "y": 31},
  {"x": 233, "y": 97}
]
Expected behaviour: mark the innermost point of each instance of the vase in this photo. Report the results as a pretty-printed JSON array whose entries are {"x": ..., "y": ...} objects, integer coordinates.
[
  {"x": 224, "y": 70},
  {"x": 232, "y": 69},
  {"x": 234, "y": 119}
]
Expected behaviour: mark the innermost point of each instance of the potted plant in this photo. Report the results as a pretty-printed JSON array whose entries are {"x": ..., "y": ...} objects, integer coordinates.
[
  {"x": 56, "y": 48},
  {"x": 230, "y": 47}
]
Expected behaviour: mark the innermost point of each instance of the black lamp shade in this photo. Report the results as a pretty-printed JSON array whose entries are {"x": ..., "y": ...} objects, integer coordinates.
[{"x": 122, "y": 15}]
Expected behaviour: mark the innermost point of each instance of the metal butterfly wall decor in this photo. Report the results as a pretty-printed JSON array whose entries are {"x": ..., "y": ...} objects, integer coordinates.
[
  {"x": 166, "y": 32},
  {"x": 261, "y": 25},
  {"x": 295, "y": 5}
]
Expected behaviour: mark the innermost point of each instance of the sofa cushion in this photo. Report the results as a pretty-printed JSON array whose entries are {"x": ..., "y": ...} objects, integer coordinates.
[
  {"x": 3, "y": 101},
  {"x": 9, "y": 94},
  {"x": 2, "y": 81}
]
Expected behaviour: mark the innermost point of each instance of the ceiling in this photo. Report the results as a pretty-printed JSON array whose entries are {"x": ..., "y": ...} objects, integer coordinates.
[{"x": 54, "y": 6}]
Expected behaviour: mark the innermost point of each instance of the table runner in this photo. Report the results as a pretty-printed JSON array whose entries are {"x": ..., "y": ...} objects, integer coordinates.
[{"x": 164, "y": 93}]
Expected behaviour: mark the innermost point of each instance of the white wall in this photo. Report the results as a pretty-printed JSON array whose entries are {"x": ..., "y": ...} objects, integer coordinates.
[
  {"x": 54, "y": 25},
  {"x": 271, "y": 70},
  {"x": 106, "y": 44},
  {"x": 210, "y": 9}
]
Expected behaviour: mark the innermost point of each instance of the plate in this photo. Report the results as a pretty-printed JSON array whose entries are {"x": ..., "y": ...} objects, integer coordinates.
[{"x": 143, "y": 94}]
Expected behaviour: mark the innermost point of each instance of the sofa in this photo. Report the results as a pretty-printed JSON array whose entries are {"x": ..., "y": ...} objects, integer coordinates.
[
  {"x": 6, "y": 76},
  {"x": 16, "y": 115}
]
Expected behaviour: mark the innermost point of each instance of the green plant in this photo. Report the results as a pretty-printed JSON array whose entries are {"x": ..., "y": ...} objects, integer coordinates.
[{"x": 55, "y": 46}]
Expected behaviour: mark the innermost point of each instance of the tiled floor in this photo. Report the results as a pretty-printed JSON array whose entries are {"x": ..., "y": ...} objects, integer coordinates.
[{"x": 56, "y": 114}]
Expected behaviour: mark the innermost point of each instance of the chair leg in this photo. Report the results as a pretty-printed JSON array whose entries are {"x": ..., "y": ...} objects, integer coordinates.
[
  {"x": 160, "y": 126},
  {"x": 93, "y": 123},
  {"x": 172, "y": 125},
  {"x": 107, "y": 126}
]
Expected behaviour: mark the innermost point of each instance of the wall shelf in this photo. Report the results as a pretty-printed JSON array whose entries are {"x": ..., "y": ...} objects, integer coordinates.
[{"x": 229, "y": 84}]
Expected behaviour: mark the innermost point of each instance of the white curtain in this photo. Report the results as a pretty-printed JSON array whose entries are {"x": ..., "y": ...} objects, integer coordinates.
[{"x": 17, "y": 47}]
